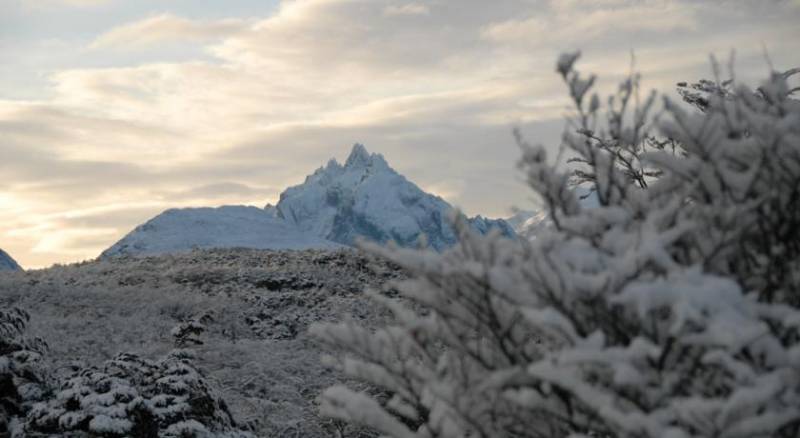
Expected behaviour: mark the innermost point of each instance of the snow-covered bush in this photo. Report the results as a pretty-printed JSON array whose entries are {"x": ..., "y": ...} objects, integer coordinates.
[
  {"x": 189, "y": 332},
  {"x": 126, "y": 396},
  {"x": 132, "y": 396},
  {"x": 21, "y": 377},
  {"x": 669, "y": 310}
]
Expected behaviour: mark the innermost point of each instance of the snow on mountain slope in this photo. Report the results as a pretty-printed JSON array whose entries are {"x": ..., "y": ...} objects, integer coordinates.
[
  {"x": 367, "y": 198},
  {"x": 7, "y": 263},
  {"x": 335, "y": 205},
  {"x": 179, "y": 230},
  {"x": 529, "y": 223}
]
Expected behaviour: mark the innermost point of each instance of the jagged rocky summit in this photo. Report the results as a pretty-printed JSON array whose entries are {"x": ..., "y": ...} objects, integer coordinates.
[
  {"x": 333, "y": 207},
  {"x": 7, "y": 263},
  {"x": 366, "y": 198}
]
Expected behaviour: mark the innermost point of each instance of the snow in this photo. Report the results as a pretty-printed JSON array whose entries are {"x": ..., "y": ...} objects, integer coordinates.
[
  {"x": 335, "y": 206},
  {"x": 7, "y": 263},
  {"x": 665, "y": 306},
  {"x": 366, "y": 198},
  {"x": 529, "y": 223},
  {"x": 255, "y": 349},
  {"x": 180, "y": 230}
]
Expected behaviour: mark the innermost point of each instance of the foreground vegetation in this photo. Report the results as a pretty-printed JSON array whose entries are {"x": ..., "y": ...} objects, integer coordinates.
[
  {"x": 230, "y": 323},
  {"x": 672, "y": 309}
]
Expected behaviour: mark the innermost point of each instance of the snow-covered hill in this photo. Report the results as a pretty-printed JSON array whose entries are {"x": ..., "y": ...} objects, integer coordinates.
[
  {"x": 366, "y": 198},
  {"x": 7, "y": 263},
  {"x": 179, "y": 230}
]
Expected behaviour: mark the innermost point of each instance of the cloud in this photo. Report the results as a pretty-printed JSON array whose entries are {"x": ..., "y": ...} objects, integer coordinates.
[
  {"x": 39, "y": 5},
  {"x": 165, "y": 29},
  {"x": 221, "y": 191},
  {"x": 407, "y": 9},
  {"x": 82, "y": 3},
  {"x": 570, "y": 26},
  {"x": 433, "y": 85}
]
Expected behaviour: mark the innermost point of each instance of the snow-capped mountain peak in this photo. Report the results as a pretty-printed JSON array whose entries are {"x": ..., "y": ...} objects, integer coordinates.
[
  {"x": 334, "y": 206},
  {"x": 367, "y": 198},
  {"x": 360, "y": 158}
]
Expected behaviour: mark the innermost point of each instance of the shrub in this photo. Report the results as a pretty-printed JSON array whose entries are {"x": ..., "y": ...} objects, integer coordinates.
[
  {"x": 670, "y": 310},
  {"x": 21, "y": 377},
  {"x": 126, "y": 396},
  {"x": 131, "y": 396}
]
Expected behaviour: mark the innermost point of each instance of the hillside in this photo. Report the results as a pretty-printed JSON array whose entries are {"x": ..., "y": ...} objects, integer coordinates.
[
  {"x": 261, "y": 302},
  {"x": 7, "y": 263}
]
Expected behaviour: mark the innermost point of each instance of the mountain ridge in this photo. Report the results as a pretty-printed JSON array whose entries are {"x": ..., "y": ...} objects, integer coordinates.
[
  {"x": 333, "y": 207},
  {"x": 367, "y": 198},
  {"x": 179, "y": 230},
  {"x": 7, "y": 263}
]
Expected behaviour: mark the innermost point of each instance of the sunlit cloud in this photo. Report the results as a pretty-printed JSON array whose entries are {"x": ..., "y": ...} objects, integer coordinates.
[
  {"x": 52, "y": 3},
  {"x": 165, "y": 29},
  {"x": 434, "y": 86},
  {"x": 407, "y": 9}
]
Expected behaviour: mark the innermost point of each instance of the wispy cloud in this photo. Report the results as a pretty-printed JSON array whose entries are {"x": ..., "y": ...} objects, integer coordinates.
[
  {"x": 407, "y": 9},
  {"x": 165, "y": 29},
  {"x": 433, "y": 85}
]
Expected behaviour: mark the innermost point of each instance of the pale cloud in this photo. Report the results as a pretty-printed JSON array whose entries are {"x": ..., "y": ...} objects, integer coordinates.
[
  {"x": 572, "y": 22},
  {"x": 85, "y": 2},
  {"x": 81, "y": 3},
  {"x": 166, "y": 28},
  {"x": 433, "y": 85},
  {"x": 407, "y": 9},
  {"x": 48, "y": 5}
]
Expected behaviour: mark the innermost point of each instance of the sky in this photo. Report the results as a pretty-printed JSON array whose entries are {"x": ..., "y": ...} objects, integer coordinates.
[{"x": 112, "y": 111}]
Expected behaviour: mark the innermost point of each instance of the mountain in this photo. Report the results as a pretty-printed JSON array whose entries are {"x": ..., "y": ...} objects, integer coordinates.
[
  {"x": 366, "y": 198},
  {"x": 335, "y": 205},
  {"x": 7, "y": 263},
  {"x": 179, "y": 230},
  {"x": 528, "y": 223}
]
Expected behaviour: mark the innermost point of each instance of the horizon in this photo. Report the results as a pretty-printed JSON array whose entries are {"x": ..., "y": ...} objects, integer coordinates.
[{"x": 112, "y": 112}]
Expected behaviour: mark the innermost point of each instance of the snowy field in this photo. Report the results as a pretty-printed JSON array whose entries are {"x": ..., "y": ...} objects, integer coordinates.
[{"x": 256, "y": 350}]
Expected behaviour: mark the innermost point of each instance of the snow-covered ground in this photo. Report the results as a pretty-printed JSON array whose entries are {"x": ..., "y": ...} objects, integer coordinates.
[{"x": 256, "y": 348}]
